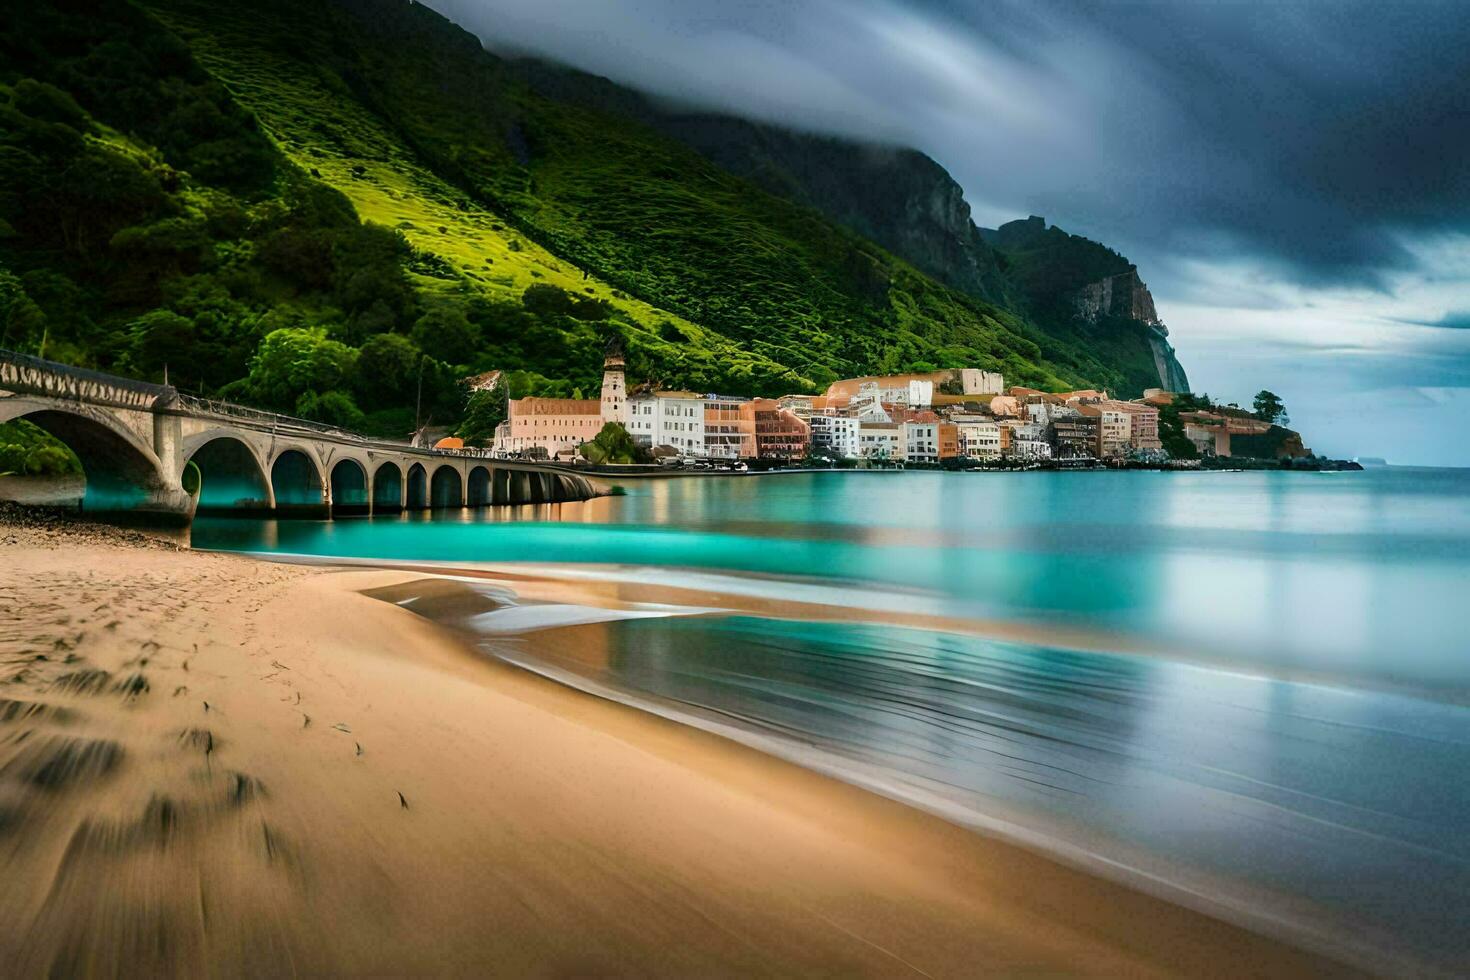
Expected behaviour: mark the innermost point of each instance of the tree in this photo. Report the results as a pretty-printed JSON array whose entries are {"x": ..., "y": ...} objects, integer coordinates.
[
  {"x": 159, "y": 338},
  {"x": 293, "y": 362},
  {"x": 42, "y": 101},
  {"x": 1269, "y": 407},
  {"x": 613, "y": 445},
  {"x": 544, "y": 299},
  {"x": 332, "y": 407},
  {"x": 445, "y": 333},
  {"x": 387, "y": 371},
  {"x": 485, "y": 411},
  {"x": 21, "y": 320}
]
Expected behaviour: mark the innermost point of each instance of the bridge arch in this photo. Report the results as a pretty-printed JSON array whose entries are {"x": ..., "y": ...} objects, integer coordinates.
[
  {"x": 349, "y": 487},
  {"x": 298, "y": 485},
  {"x": 387, "y": 489},
  {"x": 418, "y": 487},
  {"x": 478, "y": 491},
  {"x": 231, "y": 477},
  {"x": 122, "y": 473},
  {"x": 446, "y": 489}
]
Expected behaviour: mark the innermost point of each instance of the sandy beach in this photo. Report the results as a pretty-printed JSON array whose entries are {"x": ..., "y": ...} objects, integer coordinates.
[{"x": 216, "y": 765}]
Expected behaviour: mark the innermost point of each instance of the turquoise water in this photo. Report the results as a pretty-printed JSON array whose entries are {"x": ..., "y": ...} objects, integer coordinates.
[
  {"x": 1356, "y": 574},
  {"x": 1269, "y": 715}
]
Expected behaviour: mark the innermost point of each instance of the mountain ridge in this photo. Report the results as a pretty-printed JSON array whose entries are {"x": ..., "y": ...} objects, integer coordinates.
[
  {"x": 327, "y": 190},
  {"x": 918, "y": 210}
]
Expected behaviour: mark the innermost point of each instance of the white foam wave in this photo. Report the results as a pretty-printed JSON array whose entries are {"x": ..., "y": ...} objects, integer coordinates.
[{"x": 527, "y": 618}]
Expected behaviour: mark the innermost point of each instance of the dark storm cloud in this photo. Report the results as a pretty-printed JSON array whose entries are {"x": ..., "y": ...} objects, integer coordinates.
[{"x": 1319, "y": 139}]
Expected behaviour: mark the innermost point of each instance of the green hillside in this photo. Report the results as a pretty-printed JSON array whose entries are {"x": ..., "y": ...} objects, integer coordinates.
[{"x": 307, "y": 206}]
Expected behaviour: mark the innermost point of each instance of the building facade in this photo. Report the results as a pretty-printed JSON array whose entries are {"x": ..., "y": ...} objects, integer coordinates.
[
  {"x": 548, "y": 426},
  {"x": 878, "y": 440},
  {"x": 979, "y": 437},
  {"x": 729, "y": 432},
  {"x": 1115, "y": 429},
  {"x": 918, "y": 390},
  {"x": 930, "y": 440},
  {"x": 973, "y": 381},
  {"x": 835, "y": 435},
  {"x": 1143, "y": 434},
  {"x": 672, "y": 419},
  {"x": 779, "y": 434},
  {"x": 1074, "y": 434},
  {"x": 1026, "y": 441}
]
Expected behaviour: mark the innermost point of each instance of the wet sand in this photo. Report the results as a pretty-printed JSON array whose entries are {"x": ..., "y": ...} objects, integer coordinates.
[{"x": 210, "y": 764}]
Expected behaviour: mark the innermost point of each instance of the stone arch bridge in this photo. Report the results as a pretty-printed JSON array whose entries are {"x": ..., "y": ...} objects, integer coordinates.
[{"x": 151, "y": 452}]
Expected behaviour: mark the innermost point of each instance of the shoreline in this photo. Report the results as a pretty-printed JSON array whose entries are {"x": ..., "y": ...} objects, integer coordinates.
[
  {"x": 540, "y": 829},
  {"x": 1228, "y": 465},
  {"x": 600, "y": 583}
]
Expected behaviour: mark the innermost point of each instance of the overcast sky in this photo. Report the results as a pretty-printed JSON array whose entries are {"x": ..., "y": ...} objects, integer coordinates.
[{"x": 1292, "y": 179}]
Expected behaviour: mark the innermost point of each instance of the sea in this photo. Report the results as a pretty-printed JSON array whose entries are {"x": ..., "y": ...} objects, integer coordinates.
[{"x": 1247, "y": 692}]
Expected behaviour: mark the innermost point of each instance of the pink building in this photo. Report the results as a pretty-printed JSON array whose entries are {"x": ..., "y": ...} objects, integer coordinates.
[{"x": 556, "y": 426}]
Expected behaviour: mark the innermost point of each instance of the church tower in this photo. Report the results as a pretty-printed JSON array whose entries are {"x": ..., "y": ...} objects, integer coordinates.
[{"x": 614, "y": 386}]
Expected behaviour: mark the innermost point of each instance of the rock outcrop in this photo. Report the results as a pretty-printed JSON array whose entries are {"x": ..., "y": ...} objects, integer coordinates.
[
  {"x": 1125, "y": 295},
  {"x": 1171, "y": 372},
  {"x": 1122, "y": 295}
]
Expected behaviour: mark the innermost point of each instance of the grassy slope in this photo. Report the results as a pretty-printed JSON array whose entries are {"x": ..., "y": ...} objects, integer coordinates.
[
  {"x": 450, "y": 150},
  {"x": 316, "y": 121}
]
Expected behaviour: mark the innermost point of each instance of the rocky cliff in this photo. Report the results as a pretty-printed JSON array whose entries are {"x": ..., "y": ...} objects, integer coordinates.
[
  {"x": 1081, "y": 290},
  {"x": 1125, "y": 296},
  {"x": 1122, "y": 295},
  {"x": 895, "y": 196}
]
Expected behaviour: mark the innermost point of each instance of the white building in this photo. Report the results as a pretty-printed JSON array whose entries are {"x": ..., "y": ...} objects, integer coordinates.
[
  {"x": 878, "y": 440},
  {"x": 979, "y": 437},
  {"x": 1039, "y": 408},
  {"x": 836, "y": 436},
  {"x": 973, "y": 381},
  {"x": 798, "y": 405},
  {"x": 867, "y": 404},
  {"x": 921, "y": 394},
  {"x": 668, "y": 418},
  {"x": 919, "y": 442},
  {"x": 1026, "y": 441}
]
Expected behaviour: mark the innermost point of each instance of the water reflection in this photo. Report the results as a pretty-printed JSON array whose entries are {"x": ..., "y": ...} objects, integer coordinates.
[
  {"x": 1352, "y": 802},
  {"x": 1339, "y": 575}
]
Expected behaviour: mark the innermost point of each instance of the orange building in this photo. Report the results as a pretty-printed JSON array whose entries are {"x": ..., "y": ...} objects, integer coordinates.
[
  {"x": 949, "y": 440},
  {"x": 729, "y": 431},
  {"x": 779, "y": 434}
]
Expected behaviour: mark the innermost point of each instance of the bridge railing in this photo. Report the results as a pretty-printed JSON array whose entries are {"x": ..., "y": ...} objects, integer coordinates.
[
  {"x": 25, "y": 374},
  {"x": 230, "y": 410},
  {"x": 211, "y": 406}
]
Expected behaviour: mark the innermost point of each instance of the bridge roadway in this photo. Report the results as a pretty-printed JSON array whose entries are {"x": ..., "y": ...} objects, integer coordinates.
[{"x": 152, "y": 453}]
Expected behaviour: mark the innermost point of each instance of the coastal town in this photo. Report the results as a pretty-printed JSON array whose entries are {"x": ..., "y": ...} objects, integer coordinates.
[{"x": 951, "y": 417}]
